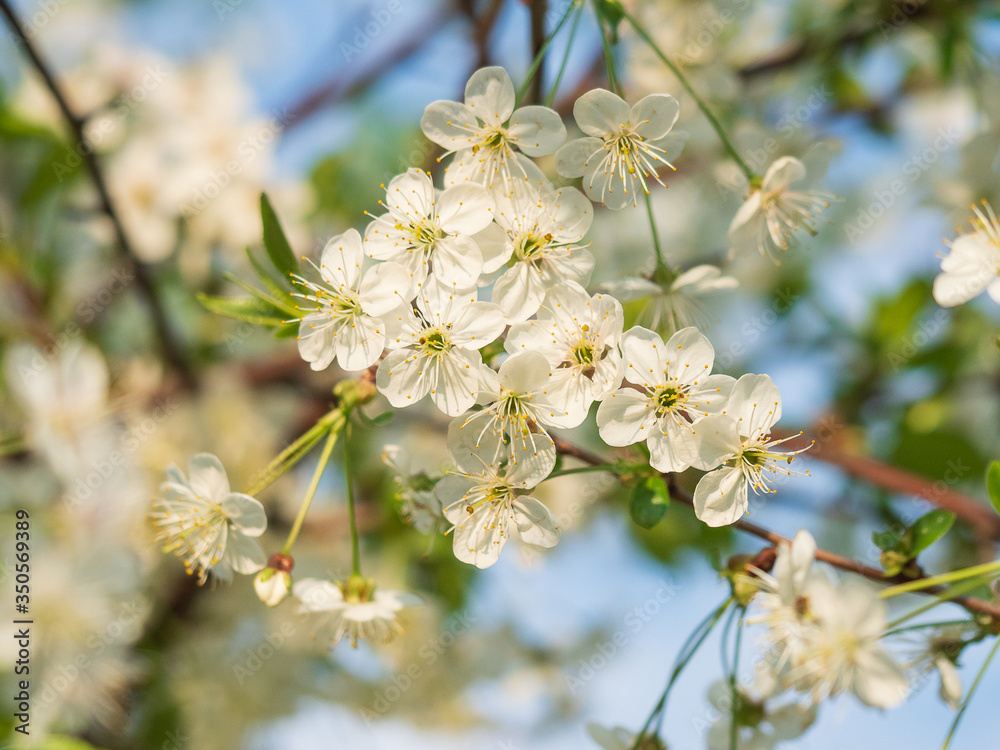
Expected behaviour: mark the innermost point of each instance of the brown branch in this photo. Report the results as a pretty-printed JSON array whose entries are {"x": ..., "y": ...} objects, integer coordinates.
[
  {"x": 538, "y": 11},
  {"x": 171, "y": 347},
  {"x": 677, "y": 493},
  {"x": 337, "y": 88},
  {"x": 836, "y": 453}
]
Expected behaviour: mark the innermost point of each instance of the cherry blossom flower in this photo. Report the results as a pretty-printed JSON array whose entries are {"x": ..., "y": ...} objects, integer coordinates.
[
  {"x": 738, "y": 442},
  {"x": 483, "y": 132},
  {"x": 435, "y": 349},
  {"x": 760, "y": 725},
  {"x": 624, "y": 146},
  {"x": 773, "y": 213},
  {"x": 676, "y": 390},
  {"x": 355, "y": 607},
  {"x": 578, "y": 335},
  {"x": 674, "y": 301},
  {"x": 973, "y": 263},
  {"x": 487, "y": 499},
  {"x": 202, "y": 521},
  {"x": 420, "y": 506},
  {"x": 348, "y": 322},
  {"x": 542, "y": 228},
  {"x": 426, "y": 228},
  {"x": 517, "y": 404},
  {"x": 844, "y": 652}
]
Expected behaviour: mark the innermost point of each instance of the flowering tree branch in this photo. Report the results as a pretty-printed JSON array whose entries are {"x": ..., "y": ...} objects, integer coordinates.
[
  {"x": 172, "y": 349},
  {"x": 972, "y": 604}
]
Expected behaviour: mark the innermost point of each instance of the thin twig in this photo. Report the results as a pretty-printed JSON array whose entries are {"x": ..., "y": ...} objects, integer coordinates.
[
  {"x": 172, "y": 349},
  {"x": 679, "y": 494}
]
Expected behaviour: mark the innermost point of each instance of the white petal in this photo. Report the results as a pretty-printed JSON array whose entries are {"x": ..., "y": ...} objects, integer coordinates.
[
  {"x": 360, "y": 343},
  {"x": 600, "y": 113},
  {"x": 535, "y": 523},
  {"x": 755, "y": 403},
  {"x": 625, "y": 417},
  {"x": 782, "y": 173},
  {"x": 340, "y": 264},
  {"x": 448, "y": 124},
  {"x": 208, "y": 477},
  {"x": 458, "y": 261},
  {"x": 689, "y": 356},
  {"x": 244, "y": 553},
  {"x": 879, "y": 681},
  {"x": 245, "y": 513},
  {"x": 384, "y": 288},
  {"x": 717, "y": 439},
  {"x": 490, "y": 94},
  {"x": 495, "y": 247},
  {"x": 519, "y": 292},
  {"x": 465, "y": 209},
  {"x": 479, "y": 324},
  {"x": 721, "y": 497},
  {"x": 576, "y": 157},
  {"x": 653, "y": 116},
  {"x": 412, "y": 193},
  {"x": 537, "y": 130},
  {"x": 456, "y": 382},
  {"x": 645, "y": 356},
  {"x": 401, "y": 378}
]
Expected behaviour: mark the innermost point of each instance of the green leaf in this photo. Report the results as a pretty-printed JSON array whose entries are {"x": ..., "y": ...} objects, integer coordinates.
[
  {"x": 649, "y": 501},
  {"x": 885, "y": 540},
  {"x": 928, "y": 529},
  {"x": 993, "y": 483},
  {"x": 283, "y": 303},
  {"x": 273, "y": 285},
  {"x": 243, "y": 308},
  {"x": 275, "y": 241}
]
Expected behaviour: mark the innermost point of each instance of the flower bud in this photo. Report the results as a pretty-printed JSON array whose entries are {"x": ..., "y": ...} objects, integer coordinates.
[{"x": 274, "y": 582}]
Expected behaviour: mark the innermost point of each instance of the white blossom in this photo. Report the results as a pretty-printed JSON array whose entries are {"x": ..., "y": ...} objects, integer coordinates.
[
  {"x": 738, "y": 442},
  {"x": 540, "y": 243},
  {"x": 420, "y": 507},
  {"x": 773, "y": 213},
  {"x": 675, "y": 301},
  {"x": 486, "y": 499},
  {"x": 435, "y": 349},
  {"x": 483, "y": 132},
  {"x": 973, "y": 263},
  {"x": 426, "y": 229},
  {"x": 578, "y": 335},
  {"x": 676, "y": 389},
  {"x": 624, "y": 146},
  {"x": 355, "y": 607},
  {"x": 348, "y": 322},
  {"x": 203, "y": 522},
  {"x": 517, "y": 405}
]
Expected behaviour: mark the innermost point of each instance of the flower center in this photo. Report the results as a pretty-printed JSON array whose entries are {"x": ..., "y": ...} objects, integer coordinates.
[
  {"x": 531, "y": 248},
  {"x": 433, "y": 342},
  {"x": 493, "y": 139},
  {"x": 667, "y": 399}
]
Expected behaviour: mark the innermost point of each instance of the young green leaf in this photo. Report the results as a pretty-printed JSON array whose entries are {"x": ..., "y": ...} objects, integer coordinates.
[
  {"x": 649, "y": 501},
  {"x": 993, "y": 483},
  {"x": 275, "y": 241},
  {"x": 928, "y": 529},
  {"x": 243, "y": 308}
]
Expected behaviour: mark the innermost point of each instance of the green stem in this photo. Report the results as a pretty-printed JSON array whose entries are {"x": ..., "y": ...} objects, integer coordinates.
[
  {"x": 955, "y": 575},
  {"x": 324, "y": 459},
  {"x": 540, "y": 57},
  {"x": 712, "y": 119},
  {"x": 733, "y": 728},
  {"x": 946, "y": 596},
  {"x": 660, "y": 261},
  {"x": 968, "y": 697},
  {"x": 581, "y": 470},
  {"x": 12, "y": 445},
  {"x": 923, "y": 625},
  {"x": 609, "y": 58},
  {"x": 688, "y": 650},
  {"x": 352, "y": 518},
  {"x": 292, "y": 454},
  {"x": 550, "y": 99}
]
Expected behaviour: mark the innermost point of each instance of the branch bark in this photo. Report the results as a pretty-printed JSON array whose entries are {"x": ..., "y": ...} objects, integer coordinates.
[
  {"x": 677, "y": 493},
  {"x": 172, "y": 349}
]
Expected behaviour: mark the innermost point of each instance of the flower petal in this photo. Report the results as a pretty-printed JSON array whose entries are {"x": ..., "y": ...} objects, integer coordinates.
[
  {"x": 721, "y": 497},
  {"x": 600, "y": 113}
]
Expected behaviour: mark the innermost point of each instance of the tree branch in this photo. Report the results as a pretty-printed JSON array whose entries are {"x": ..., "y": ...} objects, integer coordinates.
[
  {"x": 973, "y": 605},
  {"x": 171, "y": 347}
]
